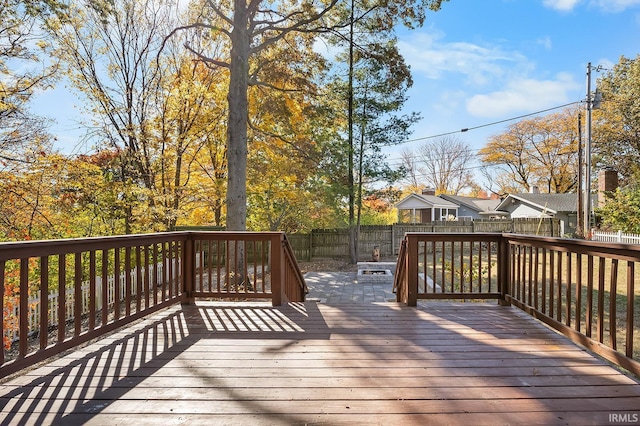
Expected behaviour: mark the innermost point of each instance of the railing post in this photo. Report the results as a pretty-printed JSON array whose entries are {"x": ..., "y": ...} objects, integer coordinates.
[
  {"x": 277, "y": 268},
  {"x": 504, "y": 266},
  {"x": 188, "y": 269},
  {"x": 412, "y": 270}
]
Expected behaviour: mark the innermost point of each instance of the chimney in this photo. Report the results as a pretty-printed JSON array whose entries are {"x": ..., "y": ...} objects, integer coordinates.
[
  {"x": 534, "y": 190},
  {"x": 607, "y": 184},
  {"x": 429, "y": 191}
]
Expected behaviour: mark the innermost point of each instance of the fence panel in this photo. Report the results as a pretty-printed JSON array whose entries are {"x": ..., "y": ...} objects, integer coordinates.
[
  {"x": 615, "y": 237},
  {"x": 301, "y": 244},
  {"x": 330, "y": 243},
  {"x": 373, "y": 236}
]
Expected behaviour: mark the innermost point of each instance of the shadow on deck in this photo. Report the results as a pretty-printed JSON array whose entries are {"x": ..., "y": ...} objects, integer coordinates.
[{"x": 374, "y": 362}]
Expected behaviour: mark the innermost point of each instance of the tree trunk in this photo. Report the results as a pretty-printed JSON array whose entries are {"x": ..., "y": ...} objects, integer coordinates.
[
  {"x": 238, "y": 118},
  {"x": 353, "y": 237}
]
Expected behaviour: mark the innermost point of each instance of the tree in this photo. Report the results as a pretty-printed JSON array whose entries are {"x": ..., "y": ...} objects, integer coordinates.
[
  {"x": 616, "y": 123},
  {"x": 622, "y": 210},
  {"x": 541, "y": 152},
  {"x": 110, "y": 53},
  {"x": 410, "y": 171},
  {"x": 151, "y": 102},
  {"x": 443, "y": 165},
  {"x": 23, "y": 70},
  {"x": 373, "y": 87},
  {"x": 252, "y": 28}
]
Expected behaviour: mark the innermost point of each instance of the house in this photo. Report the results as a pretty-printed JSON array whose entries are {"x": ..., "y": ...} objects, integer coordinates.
[
  {"x": 471, "y": 208},
  {"x": 564, "y": 207},
  {"x": 425, "y": 208}
]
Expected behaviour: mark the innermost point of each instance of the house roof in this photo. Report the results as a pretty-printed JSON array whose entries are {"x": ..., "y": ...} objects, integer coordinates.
[
  {"x": 421, "y": 201},
  {"x": 477, "y": 204},
  {"x": 553, "y": 203}
]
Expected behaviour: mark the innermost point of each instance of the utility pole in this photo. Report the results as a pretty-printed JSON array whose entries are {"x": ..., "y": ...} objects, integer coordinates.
[
  {"x": 580, "y": 226},
  {"x": 587, "y": 189}
]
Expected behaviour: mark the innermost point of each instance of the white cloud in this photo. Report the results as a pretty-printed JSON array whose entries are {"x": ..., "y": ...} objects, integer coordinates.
[
  {"x": 616, "y": 5},
  {"x": 432, "y": 58},
  {"x": 523, "y": 95},
  {"x": 562, "y": 5},
  {"x": 545, "y": 42}
]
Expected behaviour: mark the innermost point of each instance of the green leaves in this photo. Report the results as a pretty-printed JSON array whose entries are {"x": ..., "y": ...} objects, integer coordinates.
[{"x": 622, "y": 210}]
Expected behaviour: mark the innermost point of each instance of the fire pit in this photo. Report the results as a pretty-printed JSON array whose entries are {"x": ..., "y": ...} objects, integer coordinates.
[{"x": 375, "y": 272}]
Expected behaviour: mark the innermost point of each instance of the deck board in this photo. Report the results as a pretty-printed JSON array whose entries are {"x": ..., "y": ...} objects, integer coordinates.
[{"x": 314, "y": 363}]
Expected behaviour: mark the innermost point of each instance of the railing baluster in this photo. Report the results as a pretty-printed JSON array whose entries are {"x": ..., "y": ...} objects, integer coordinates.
[
  {"x": 104, "y": 308},
  {"x": 601, "y": 280},
  {"x": 453, "y": 266},
  {"x": 443, "y": 268},
  {"x": 117, "y": 285},
  {"x": 77, "y": 294},
  {"x": 155, "y": 282},
  {"x": 568, "y": 290},
  {"x": 209, "y": 265},
  {"x": 536, "y": 273},
  {"x": 552, "y": 258},
  {"x": 530, "y": 276},
  {"x": 92, "y": 290},
  {"x": 630, "y": 308},
  {"x": 544, "y": 281},
  {"x": 138, "y": 279},
  {"x": 23, "y": 323},
  {"x": 435, "y": 264},
  {"x": 424, "y": 268},
  {"x": 578, "y": 291},
  {"x": 44, "y": 300},
  {"x": 479, "y": 244},
  {"x": 589, "y": 315},
  {"x": 613, "y": 298},
  {"x": 62, "y": 287},
  {"x": 218, "y": 274},
  {"x": 559, "y": 287},
  {"x": 2, "y": 317}
]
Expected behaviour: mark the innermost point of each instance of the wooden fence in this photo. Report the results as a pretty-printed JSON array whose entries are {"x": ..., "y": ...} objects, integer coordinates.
[{"x": 334, "y": 243}]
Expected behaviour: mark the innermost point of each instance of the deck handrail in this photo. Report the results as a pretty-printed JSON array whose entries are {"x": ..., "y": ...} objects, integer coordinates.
[
  {"x": 108, "y": 282},
  {"x": 295, "y": 283},
  {"x": 575, "y": 286}
]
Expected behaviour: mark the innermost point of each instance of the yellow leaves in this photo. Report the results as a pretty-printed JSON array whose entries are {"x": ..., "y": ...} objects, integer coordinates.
[{"x": 539, "y": 151}]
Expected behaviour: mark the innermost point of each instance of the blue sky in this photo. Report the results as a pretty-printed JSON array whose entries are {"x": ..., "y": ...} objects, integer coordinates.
[{"x": 478, "y": 62}]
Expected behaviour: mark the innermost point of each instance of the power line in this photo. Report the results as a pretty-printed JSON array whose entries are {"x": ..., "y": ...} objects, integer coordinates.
[{"x": 466, "y": 129}]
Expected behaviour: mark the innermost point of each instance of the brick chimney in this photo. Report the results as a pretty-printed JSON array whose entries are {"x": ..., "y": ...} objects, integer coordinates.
[
  {"x": 429, "y": 191},
  {"x": 607, "y": 184}
]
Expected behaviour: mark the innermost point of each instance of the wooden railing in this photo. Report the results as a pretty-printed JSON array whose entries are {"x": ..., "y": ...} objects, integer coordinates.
[
  {"x": 60, "y": 293},
  {"x": 450, "y": 266},
  {"x": 584, "y": 289}
]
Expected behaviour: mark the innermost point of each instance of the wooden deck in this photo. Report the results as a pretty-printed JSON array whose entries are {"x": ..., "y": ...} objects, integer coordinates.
[{"x": 313, "y": 363}]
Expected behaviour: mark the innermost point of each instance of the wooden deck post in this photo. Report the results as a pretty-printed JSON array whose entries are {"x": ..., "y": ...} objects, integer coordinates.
[
  {"x": 504, "y": 261},
  {"x": 412, "y": 270},
  {"x": 188, "y": 269},
  {"x": 277, "y": 271}
]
